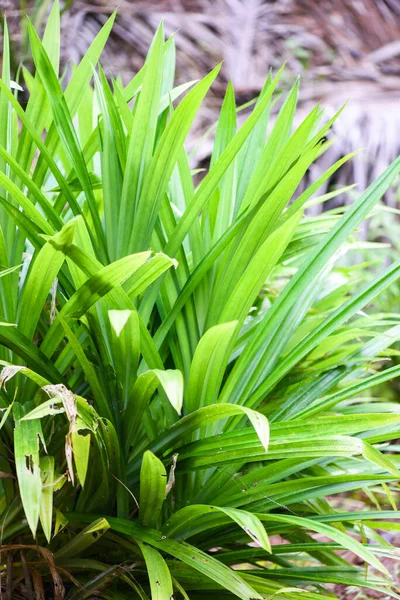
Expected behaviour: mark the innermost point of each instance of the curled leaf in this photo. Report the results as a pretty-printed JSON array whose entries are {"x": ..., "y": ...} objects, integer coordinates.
[{"x": 69, "y": 404}]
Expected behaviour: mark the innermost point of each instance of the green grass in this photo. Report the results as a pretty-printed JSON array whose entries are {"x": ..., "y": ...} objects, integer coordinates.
[{"x": 188, "y": 369}]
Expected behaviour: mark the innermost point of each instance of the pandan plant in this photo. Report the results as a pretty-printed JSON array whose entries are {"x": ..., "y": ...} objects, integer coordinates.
[{"x": 187, "y": 366}]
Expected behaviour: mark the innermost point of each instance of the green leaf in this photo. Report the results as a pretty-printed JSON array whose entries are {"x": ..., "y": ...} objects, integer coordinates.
[
  {"x": 61, "y": 522},
  {"x": 163, "y": 162},
  {"x": 84, "y": 539},
  {"x": 112, "y": 162},
  {"x": 172, "y": 383},
  {"x": 118, "y": 319},
  {"x": 90, "y": 292},
  {"x": 101, "y": 400},
  {"x": 81, "y": 450},
  {"x": 190, "y": 555},
  {"x": 209, "y": 414},
  {"x": 346, "y": 541},
  {"x": 63, "y": 121},
  {"x": 153, "y": 482},
  {"x": 264, "y": 260},
  {"x": 27, "y": 435},
  {"x": 210, "y": 182},
  {"x": 142, "y": 392},
  {"x": 208, "y": 366},
  {"x": 141, "y": 141},
  {"x": 247, "y": 373},
  {"x": 159, "y": 574},
  {"x": 46, "y": 504},
  {"x": 125, "y": 348},
  {"x": 249, "y": 522},
  {"x": 40, "y": 279},
  {"x": 6, "y": 415},
  {"x": 51, "y": 407}
]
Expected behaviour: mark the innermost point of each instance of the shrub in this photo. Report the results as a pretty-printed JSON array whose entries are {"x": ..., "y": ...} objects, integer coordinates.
[{"x": 187, "y": 369}]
